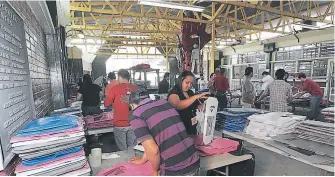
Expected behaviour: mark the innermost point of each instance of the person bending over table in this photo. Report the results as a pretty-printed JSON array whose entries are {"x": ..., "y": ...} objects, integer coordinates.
[
  {"x": 167, "y": 146},
  {"x": 89, "y": 93},
  {"x": 280, "y": 93},
  {"x": 118, "y": 97},
  {"x": 183, "y": 99},
  {"x": 309, "y": 86}
]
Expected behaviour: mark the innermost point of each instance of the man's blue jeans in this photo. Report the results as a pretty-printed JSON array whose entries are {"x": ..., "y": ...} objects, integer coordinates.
[{"x": 314, "y": 112}]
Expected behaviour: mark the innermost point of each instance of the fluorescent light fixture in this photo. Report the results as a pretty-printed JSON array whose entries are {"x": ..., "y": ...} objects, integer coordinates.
[
  {"x": 129, "y": 35},
  {"x": 172, "y": 5},
  {"x": 306, "y": 26},
  {"x": 109, "y": 48}
]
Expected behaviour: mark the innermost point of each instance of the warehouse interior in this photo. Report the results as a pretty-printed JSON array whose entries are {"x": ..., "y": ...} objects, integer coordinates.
[{"x": 48, "y": 46}]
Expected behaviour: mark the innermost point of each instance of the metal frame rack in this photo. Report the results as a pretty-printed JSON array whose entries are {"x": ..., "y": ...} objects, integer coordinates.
[
  {"x": 312, "y": 59},
  {"x": 238, "y": 63}
]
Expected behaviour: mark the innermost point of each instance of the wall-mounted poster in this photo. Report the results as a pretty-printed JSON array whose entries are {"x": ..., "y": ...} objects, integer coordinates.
[{"x": 15, "y": 89}]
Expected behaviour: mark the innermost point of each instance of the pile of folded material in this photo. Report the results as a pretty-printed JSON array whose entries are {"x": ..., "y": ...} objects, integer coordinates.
[
  {"x": 235, "y": 119},
  {"x": 265, "y": 126},
  {"x": 321, "y": 132},
  {"x": 128, "y": 169},
  {"x": 51, "y": 146},
  {"x": 102, "y": 120},
  {"x": 217, "y": 146},
  {"x": 329, "y": 113}
]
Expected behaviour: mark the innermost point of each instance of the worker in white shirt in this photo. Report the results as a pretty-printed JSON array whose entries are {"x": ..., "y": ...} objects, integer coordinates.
[
  {"x": 266, "y": 81},
  {"x": 202, "y": 83}
]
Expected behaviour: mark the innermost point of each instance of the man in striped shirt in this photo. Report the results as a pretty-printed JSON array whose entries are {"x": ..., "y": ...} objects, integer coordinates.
[{"x": 158, "y": 127}]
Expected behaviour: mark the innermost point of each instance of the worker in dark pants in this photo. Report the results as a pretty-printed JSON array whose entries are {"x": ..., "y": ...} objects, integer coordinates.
[
  {"x": 221, "y": 86},
  {"x": 309, "y": 86},
  {"x": 163, "y": 86}
]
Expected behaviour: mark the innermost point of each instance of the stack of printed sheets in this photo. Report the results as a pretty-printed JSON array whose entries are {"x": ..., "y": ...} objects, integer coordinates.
[
  {"x": 316, "y": 131},
  {"x": 217, "y": 146},
  {"x": 51, "y": 146},
  {"x": 235, "y": 119},
  {"x": 67, "y": 111},
  {"x": 102, "y": 120},
  {"x": 329, "y": 113},
  {"x": 265, "y": 126},
  {"x": 128, "y": 169}
]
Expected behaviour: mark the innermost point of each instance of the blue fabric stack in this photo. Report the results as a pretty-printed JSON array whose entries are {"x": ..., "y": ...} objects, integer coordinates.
[
  {"x": 234, "y": 119},
  {"x": 51, "y": 146}
]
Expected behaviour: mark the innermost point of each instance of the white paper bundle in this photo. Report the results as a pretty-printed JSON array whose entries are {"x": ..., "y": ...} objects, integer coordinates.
[{"x": 265, "y": 126}]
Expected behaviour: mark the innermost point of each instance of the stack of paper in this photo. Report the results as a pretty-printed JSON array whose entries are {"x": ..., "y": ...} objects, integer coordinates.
[
  {"x": 316, "y": 131},
  {"x": 102, "y": 120},
  {"x": 51, "y": 146},
  {"x": 128, "y": 169},
  {"x": 265, "y": 126},
  {"x": 235, "y": 119},
  {"x": 217, "y": 146},
  {"x": 329, "y": 113},
  {"x": 67, "y": 111}
]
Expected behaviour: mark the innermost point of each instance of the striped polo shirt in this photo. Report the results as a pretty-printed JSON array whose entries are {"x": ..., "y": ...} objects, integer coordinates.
[{"x": 160, "y": 121}]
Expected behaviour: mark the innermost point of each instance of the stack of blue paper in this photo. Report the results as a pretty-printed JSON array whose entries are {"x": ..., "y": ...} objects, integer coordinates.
[
  {"x": 234, "y": 119},
  {"x": 51, "y": 146}
]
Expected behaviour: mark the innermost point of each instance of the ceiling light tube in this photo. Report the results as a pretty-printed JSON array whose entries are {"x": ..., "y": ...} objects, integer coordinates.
[{"x": 172, "y": 5}]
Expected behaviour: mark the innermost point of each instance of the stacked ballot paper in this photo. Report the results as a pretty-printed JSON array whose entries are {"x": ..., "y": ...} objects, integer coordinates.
[
  {"x": 329, "y": 113},
  {"x": 51, "y": 146},
  {"x": 265, "y": 126},
  {"x": 321, "y": 132},
  {"x": 67, "y": 111},
  {"x": 235, "y": 119},
  {"x": 102, "y": 120}
]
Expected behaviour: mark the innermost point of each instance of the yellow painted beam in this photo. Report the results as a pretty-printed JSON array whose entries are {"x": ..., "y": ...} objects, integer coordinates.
[
  {"x": 127, "y": 39},
  {"x": 213, "y": 39},
  {"x": 135, "y": 14},
  {"x": 110, "y": 28},
  {"x": 274, "y": 11},
  {"x": 218, "y": 12}
]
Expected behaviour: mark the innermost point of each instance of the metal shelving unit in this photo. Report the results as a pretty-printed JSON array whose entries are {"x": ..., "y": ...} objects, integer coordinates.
[
  {"x": 239, "y": 62},
  {"x": 311, "y": 59}
]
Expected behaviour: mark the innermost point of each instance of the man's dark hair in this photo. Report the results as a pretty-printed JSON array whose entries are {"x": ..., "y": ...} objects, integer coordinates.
[
  {"x": 137, "y": 96},
  {"x": 201, "y": 75},
  {"x": 111, "y": 76},
  {"x": 222, "y": 70},
  {"x": 248, "y": 71},
  {"x": 302, "y": 75},
  {"x": 280, "y": 74},
  {"x": 166, "y": 75},
  {"x": 124, "y": 74},
  {"x": 265, "y": 73}
]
